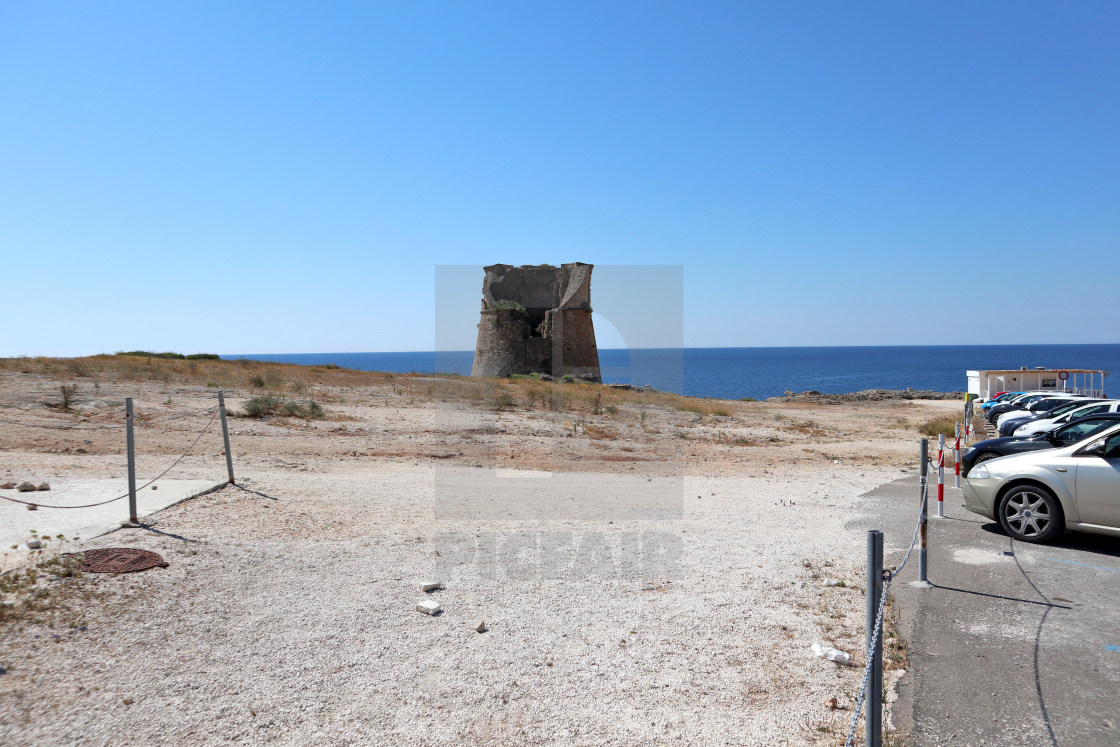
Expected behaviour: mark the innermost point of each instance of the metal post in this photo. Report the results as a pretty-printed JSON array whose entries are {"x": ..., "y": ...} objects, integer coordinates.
[
  {"x": 225, "y": 434},
  {"x": 957, "y": 459},
  {"x": 873, "y": 707},
  {"x": 131, "y": 446},
  {"x": 941, "y": 475},
  {"x": 922, "y": 518}
]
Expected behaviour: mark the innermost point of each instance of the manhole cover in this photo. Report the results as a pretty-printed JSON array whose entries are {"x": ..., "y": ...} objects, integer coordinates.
[{"x": 120, "y": 560}]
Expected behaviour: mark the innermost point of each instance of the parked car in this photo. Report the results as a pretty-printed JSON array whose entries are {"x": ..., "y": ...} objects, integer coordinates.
[
  {"x": 1038, "y": 407},
  {"x": 1021, "y": 402},
  {"x": 1064, "y": 435},
  {"x": 1012, "y": 420},
  {"x": 1041, "y": 494},
  {"x": 999, "y": 398},
  {"x": 1064, "y": 415},
  {"x": 1018, "y": 402}
]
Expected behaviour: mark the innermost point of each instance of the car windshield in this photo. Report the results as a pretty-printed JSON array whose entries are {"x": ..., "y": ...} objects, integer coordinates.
[
  {"x": 1082, "y": 412},
  {"x": 1083, "y": 429},
  {"x": 1070, "y": 408}
]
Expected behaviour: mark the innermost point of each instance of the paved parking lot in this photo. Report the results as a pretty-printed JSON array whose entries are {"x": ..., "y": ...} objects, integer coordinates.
[{"x": 1017, "y": 643}]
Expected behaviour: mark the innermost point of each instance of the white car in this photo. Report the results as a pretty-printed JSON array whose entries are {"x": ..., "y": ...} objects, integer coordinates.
[
  {"x": 1038, "y": 495},
  {"x": 1048, "y": 424},
  {"x": 1021, "y": 413}
]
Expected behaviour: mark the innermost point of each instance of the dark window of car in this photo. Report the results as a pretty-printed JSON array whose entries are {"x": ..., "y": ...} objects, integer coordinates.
[
  {"x": 1075, "y": 405},
  {"x": 1045, "y": 404},
  {"x": 1082, "y": 429},
  {"x": 1112, "y": 447}
]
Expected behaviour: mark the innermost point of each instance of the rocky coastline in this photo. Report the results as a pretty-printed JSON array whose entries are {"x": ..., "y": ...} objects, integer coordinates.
[{"x": 867, "y": 395}]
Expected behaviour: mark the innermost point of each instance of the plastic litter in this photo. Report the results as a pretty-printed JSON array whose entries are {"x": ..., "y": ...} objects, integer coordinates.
[{"x": 832, "y": 654}]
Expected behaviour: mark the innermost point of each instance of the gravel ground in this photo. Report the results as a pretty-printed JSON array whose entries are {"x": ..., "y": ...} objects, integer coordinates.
[
  {"x": 287, "y": 615},
  {"x": 661, "y": 587}
]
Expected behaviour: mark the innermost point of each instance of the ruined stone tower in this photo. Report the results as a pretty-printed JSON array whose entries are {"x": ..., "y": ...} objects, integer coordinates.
[{"x": 536, "y": 318}]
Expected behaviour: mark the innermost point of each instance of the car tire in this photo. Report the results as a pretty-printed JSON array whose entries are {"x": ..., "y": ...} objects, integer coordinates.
[
  {"x": 985, "y": 456},
  {"x": 1031, "y": 513}
]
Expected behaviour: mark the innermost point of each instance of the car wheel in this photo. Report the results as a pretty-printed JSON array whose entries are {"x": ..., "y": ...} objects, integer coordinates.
[
  {"x": 1031, "y": 513},
  {"x": 985, "y": 457}
]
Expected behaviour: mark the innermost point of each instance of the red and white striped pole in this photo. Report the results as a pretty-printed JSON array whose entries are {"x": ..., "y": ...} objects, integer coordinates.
[
  {"x": 957, "y": 459},
  {"x": 941, "y": 475}
]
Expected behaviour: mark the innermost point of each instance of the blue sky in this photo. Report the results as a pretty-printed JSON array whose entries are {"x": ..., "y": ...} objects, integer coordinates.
[{"x": 286, "y": 177}]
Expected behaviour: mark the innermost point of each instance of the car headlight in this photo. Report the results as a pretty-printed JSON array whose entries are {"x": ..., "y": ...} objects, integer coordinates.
[
  {"x": 980, "y": 472},
  {"x": 969, "y": 450}
]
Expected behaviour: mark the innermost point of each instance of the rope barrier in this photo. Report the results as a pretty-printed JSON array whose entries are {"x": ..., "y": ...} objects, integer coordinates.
[
  {"x": 888, "y": 577},
  {"x": 149, "y": 482}
]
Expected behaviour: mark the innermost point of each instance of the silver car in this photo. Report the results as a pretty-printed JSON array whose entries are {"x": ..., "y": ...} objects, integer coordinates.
[{"x": 1037, "y": 496}]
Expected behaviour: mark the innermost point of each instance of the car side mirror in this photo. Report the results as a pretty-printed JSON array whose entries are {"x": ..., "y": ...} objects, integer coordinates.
[{"x": 1094, "y": 449}]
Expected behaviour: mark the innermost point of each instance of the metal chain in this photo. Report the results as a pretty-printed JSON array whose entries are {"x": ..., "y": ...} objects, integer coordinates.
[
  {"x": 888, "y": 576},
  {"x": 878, "y": 631},
  {"x": 119, "y": 497},
  {"x": 917, "y": 528}
]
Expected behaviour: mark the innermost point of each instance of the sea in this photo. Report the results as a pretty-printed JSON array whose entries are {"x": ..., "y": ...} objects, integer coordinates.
[{"x": 738, "y": 373}]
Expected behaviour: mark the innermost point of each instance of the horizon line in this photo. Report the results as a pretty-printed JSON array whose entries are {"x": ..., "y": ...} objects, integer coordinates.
[{"x": 718, "y": 347}]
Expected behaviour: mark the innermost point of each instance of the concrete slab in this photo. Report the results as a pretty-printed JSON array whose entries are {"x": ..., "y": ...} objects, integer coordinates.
[{"x": 16, "y": 521}]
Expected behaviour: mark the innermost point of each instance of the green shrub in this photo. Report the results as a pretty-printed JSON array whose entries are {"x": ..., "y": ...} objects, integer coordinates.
[
  {"x": 259, "y": 407},
  {"x": 268, "y": 405},
  {"x": 510, "y": 306},
  {"x": 175, "y": 356},
  {"x": 312, "y": 410}
]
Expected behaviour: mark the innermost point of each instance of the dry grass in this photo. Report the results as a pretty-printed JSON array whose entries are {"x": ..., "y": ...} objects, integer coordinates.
[
  {"x": 946, "y": 424},
  {"x": 249, "y": 375},
  {"x": 47, "y": 591},
  {"x": 597, "y": 433}
]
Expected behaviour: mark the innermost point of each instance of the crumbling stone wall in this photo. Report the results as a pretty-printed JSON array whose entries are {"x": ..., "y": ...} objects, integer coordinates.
[{"x": 537, "y": 319}]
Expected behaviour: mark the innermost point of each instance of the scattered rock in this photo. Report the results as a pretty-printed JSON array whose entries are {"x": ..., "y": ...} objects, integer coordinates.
[
  {"x": 26, "y": 487},
  {"x": 481, "y": 627},
  {"x": 155, "y": 487},
  {"x": 32, "y": 507},
  {"x": 832, "y": 654},
  {"x": 43, "y": 486},
  {"x": 7, "y": 486},
  {"x": 34, "y": 544},
  {"x": 429, "y": 607},
  {"x": 834, "y": 582},
  {"x": 832, "y": 704},
  {"x": 431, "y": 586}
]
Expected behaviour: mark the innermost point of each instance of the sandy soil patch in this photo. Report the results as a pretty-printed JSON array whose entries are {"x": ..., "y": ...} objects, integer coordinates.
[{"x": 663, "y": 585}]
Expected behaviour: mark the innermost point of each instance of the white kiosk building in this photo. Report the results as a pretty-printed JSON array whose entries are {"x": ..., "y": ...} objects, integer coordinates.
[{"x": 987, "y": 384}]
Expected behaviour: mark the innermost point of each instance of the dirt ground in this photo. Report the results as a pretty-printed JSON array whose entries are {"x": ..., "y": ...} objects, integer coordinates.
[{"x": 662, "y": 556}]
